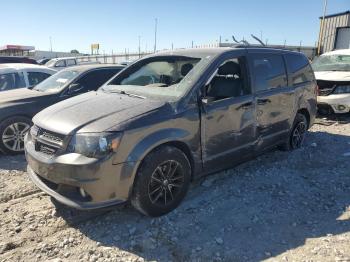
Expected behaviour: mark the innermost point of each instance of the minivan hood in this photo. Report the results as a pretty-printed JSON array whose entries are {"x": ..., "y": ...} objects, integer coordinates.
[
  {"x": 93, "y": 112},
  {"x": 20, "y": 95},
  {"x": 333, "y": 75}
]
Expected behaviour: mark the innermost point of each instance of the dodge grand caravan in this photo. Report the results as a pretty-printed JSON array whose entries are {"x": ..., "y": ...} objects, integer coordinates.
[{"x": 165, "y": 120}]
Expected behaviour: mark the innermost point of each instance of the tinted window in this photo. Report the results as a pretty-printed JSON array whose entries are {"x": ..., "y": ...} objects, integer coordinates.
[
  {"x": 70, "y": 62},
  {"x": 11, "y": 81},
  {"x": 93, "y": 80},
  {"x": 269, "y": 71},
  {"x": 299, "y": 69},
  {"x": 35, "y": 78},
  {"x": 229, "y": 81},
  {"x": 19, "y": 79},
  {"x": 7, "y": 82}
]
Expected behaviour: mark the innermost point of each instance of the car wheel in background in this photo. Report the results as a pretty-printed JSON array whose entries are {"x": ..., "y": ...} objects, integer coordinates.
[
  {"x": 161, "y": 182},
  {"x": 12, "y": 132},
  {"x": 297, "y": 134}
]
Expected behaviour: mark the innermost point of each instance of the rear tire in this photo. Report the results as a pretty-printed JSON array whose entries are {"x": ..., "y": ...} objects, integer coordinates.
[
  {"x": 12, "y": 132},
  {"x": 161, "y": 182},
  {"x": 297, "y": 134}
]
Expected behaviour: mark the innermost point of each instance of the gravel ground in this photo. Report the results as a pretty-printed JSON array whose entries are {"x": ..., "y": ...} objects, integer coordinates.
[{"x": 282, "y": 206}]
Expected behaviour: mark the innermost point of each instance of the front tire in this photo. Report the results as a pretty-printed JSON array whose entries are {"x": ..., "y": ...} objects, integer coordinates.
[
  {"x": 297, "y": 134},
  {"x": 12, "y": 132},
  {"x": 161, "y": 182}
]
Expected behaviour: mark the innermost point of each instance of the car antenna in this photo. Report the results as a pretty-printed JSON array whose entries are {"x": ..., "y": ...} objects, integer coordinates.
[{"x": 257, "y": 39}]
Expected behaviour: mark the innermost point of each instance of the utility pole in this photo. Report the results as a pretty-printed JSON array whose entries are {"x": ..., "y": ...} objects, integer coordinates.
[
  {"x": 172, "y": 46},
  {"x": 50, "y": 44},
  {"x": 192, "y": 43},
  {"x": 155, "y": 35},
  {"x": 139, "y": 47},
  {"x": 321, "y": 38}
]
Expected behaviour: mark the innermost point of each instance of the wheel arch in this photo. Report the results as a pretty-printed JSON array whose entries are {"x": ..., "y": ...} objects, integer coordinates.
[
  {"x": 306, "y": 113},
  {"x": 167, "y": 137},
  {"x": 182, "y": 146},
  {"x": 15, "y": 115}
]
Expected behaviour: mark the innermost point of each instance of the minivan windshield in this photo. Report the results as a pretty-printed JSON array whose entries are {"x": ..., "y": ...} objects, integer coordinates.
[
  {"x": 159, "y": 77},
  {"x": 56, "y": 82},
  {"x": 332, "y": 63}
]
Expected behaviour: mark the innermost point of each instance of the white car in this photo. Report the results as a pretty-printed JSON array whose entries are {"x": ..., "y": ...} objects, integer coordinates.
[
  {"x": 60, "y": 63},
  {"x": 13, "y": 76},
  {"x": 63, "y": 62},
  {"x": 332, "y": 71}
]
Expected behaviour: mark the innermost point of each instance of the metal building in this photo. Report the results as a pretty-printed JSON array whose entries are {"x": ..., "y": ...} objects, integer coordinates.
[
  {"x": 15, "y": 50},
  {"x": 335, "y": 32}
]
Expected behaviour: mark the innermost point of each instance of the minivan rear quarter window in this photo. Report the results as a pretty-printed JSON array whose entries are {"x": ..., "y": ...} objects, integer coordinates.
[
  {"x": 269, "y": 71},
  {"x": 299, "y": 69}
]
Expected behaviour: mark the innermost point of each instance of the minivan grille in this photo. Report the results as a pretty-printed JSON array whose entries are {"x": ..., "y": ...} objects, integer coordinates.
[
  {"x": 325, "y": 87},
  {"x": 45, "y": 141}
]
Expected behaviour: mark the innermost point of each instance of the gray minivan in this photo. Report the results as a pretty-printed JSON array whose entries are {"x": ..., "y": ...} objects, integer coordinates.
[{"x": 167, "y": 119}]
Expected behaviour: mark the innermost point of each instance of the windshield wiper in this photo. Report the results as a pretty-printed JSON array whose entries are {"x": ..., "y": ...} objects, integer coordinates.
[{"x": 130, "y": 94}]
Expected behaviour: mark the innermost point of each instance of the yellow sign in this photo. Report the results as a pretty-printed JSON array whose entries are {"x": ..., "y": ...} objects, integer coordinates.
[{"x": 95, "y": 46}]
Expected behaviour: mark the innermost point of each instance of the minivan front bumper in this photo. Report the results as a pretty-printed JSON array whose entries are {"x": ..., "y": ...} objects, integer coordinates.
[
  {"x": 79, "y": 181},
  {"x": 340, "y": 103}
]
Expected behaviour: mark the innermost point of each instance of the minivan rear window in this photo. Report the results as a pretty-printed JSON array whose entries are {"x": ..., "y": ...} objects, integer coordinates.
[
  {"x": 299, "y": 69},
  {"x": 269, "y": 71}
]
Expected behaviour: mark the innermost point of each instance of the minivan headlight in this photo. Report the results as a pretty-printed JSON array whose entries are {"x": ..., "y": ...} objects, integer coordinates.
[
  {"x": 95, "y": 145},
  {"x": 342, "y": 89}
]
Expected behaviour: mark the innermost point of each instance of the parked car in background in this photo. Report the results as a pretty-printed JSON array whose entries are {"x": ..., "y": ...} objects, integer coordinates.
[
  {"x": 43, "y": 61},
  {"x": 17, "y": 107},
  {"x": 16, "y": 59},
  {"x": 332, "y": 72},
  {"x": 167, "y": 119},
  {"x": 13, "y": 76},
  {"x": 60, "y": 63},
  {"x": 63, "y": 62}
]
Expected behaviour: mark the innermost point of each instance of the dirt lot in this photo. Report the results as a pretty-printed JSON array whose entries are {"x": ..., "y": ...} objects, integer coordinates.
[{"x": 279, "y": 207}]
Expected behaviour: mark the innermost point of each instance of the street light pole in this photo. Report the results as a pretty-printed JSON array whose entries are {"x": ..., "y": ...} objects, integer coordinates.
[
  {"x": 50, "y": 44},
  {"x": 155, "y": 35},
  {"x": 139, "y": 47},
  {"x": 321, "y": 38}
]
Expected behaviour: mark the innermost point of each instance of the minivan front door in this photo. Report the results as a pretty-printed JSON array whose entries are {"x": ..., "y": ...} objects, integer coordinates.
[
  {"x": 274, "y": 98},
  {"x": 228, "y": 117}
]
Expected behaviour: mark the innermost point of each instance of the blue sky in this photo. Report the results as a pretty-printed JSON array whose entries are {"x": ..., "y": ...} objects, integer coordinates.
[{"x": 116, "y": 24}]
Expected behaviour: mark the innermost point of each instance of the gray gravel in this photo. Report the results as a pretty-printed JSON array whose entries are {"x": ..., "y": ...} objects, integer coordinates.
[{"x": 282, "y": 206}]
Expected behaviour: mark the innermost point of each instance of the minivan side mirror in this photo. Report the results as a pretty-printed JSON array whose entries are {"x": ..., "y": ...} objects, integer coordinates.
[
  {"x": 74, "y": 88},
  {"x": 207, "y": 100}
]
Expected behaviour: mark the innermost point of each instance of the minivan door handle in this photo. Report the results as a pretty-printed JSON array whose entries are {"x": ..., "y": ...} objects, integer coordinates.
[
  {"x": 263, "y": 101},
  {"x": 245, "y": 106}
]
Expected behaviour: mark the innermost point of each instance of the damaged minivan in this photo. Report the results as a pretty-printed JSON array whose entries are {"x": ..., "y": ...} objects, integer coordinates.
[{"x": 167, "y": 119}]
